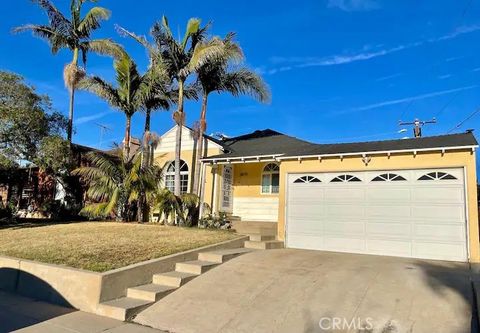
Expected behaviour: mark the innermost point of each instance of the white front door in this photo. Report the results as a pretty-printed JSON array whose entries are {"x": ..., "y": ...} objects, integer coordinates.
[{"x": 407, "y": 213}]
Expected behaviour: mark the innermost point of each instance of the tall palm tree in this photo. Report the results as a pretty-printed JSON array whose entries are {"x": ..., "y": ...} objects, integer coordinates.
[
  {"x": 73, "y": 34},
  {"x": 128, "y": 95},
  {"x": 222, "y": 75},
  {"x": 181, "y": 58}
]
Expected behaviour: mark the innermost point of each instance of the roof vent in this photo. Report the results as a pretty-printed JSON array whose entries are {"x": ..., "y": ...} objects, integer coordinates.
[{"x": 470, "y": 130}]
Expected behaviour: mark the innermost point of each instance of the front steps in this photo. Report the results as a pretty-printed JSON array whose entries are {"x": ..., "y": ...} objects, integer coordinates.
[{"x": 140, "y": 297}]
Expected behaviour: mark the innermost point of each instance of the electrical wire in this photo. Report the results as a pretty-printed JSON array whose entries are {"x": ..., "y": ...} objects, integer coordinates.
[{"x": 464, "y": 121}]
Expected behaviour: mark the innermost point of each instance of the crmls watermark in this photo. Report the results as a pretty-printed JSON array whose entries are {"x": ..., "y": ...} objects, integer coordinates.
[{"x": 339, "y": 323}]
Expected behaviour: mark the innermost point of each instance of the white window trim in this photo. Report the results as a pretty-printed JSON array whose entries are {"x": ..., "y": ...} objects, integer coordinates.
[
  {"x": 172, "y": 173},
  {"x": 269, "y": 173}
]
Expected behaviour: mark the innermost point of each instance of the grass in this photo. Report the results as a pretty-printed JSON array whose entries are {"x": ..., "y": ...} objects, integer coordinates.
[{"x": 102, "y": 246}]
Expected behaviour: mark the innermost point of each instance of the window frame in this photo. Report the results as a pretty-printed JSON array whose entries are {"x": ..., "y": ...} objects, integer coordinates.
[
  {"x": 270, "y": 172},
  {"x": 347, "y": 178},
  {"x": 169, "y": 176},
  {"x": 436, "y": 176},
  {"x": 388, "y": 177}
]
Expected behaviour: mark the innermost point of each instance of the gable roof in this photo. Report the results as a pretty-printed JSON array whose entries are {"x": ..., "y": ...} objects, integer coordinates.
[{"x": 272, "y": 143}]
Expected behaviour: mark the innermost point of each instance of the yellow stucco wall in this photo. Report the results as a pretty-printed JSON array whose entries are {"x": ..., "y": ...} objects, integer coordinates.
[
  {"x": 247, "y": 180},
  {"x": 395, "y": 161}
]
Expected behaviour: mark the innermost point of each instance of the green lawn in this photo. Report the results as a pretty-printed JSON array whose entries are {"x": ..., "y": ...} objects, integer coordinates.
[{"x": 102, "y": 246}]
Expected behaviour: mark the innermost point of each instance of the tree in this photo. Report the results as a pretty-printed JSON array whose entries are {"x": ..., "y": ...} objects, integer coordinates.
[
  {"x": 180, "y": 58},
  {"x": 73, "y": 34},
  {"x": 115, "y": 183},
  {"x": 129, "y": 95},
  {"x": 26, "y": 119},
  {"x": 221, "y": 75}
]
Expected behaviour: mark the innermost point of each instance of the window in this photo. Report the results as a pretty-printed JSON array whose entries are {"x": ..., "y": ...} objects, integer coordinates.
[
  {"x": 270, "y": 179},
  {"x": 437, "y": 176},
  {"x": 307, "y": 179},
  {"x": 388, "y": 177},
  {"x": 170, "y": 176},
  {"x": 345, "y": 179}
]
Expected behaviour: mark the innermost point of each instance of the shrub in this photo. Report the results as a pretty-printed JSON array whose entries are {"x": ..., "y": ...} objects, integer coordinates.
[{"x": 214, "y": 221}]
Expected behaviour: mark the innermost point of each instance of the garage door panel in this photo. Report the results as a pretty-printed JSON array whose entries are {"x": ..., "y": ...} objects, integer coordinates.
[
  {"x": 343, "y": 244},
  {"x": 390, "y": 229},
  {"x": 306, "y": 192},
  {"x": 345, "y": 228},
  {"x": 434, "y": 250},
  {"x": 439, "y": 213},
  {"x": 410, "y": 217},
  {"x": 394, "y": 247},
  {"x": 388, "y": 194},
  {"x": 305, "y": 210},
  {"x": 455, "y": 233},
  {"x": 344, "y": 210},
  {"x": 388, "y": 211},
  {"x": 344, "y": 194},
  {"x": 438, "y": 194},
  {"x": 306, "y": 226}
]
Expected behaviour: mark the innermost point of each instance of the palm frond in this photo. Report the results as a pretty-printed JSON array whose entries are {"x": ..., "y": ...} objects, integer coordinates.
[
  {"x": 102, "y": 89},
  {"x": 203, "y": 53},
  {"x": 193, "y": 25},
  {"x": 92, "y": 20},
  {"x": 142, "y": 40},
  {"x": 245, "y": 82},
  {"x": 57, "y": 20},
  {"x": 54, "y": 38},
  {"x": 106, "y": 47}
]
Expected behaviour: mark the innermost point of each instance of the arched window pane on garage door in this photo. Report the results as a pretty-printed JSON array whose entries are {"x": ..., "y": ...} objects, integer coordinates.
[
  {"x": 345, "y": 179},
  {"x": 307, "y": 179},
  {"x": 388, "y": 177},
  {"x": 437, "y": 176}
]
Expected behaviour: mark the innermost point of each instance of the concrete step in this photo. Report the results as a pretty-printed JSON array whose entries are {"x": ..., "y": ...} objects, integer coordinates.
[
  {"x": 195, "y": 266},
  {"x": 264, "y": 245},
  {"x": 221, "y": 256},
  {"x": 123, "y": 309},
  {"x": 261, "y": 238},
  {"x": 150, "y": 292},
  {"x": 173, "y": 278}
]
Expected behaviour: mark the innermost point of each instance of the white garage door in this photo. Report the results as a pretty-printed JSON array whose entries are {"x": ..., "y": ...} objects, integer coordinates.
[{"x": 406, "y": 213}]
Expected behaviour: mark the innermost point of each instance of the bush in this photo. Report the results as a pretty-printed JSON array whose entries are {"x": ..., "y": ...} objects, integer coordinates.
[
  {"x": 6, "y": 214},
  {"x": 214, "y": 221}
]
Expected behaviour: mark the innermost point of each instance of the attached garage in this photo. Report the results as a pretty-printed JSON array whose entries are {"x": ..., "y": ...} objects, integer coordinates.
[{"x": 419, "y": 213}]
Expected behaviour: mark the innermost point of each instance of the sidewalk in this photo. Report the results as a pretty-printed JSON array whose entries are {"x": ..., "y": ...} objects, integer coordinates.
[{"x": 20, "y": 314}]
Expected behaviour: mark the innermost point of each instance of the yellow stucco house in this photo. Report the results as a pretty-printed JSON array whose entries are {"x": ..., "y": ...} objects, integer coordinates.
[{"x": 408, "y": 198}]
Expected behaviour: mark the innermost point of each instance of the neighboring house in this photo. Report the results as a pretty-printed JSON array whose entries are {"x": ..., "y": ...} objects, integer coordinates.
[{"x": 409, "y": 198}]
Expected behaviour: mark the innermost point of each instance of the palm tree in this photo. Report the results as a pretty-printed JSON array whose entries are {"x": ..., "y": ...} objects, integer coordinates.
[
  {"x": 130, "y": 94},
  {"x": 73, "y": 34},
  {"x": 180, "y": 58},
  {"x": 116, "y": 184},
  {"x": 221, "y": 75}
]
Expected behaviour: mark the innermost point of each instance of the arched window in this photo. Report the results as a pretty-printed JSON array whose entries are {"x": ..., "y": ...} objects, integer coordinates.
[
  {"x": 307, "y": 179},
  {"x": 270, "y": 178},
  {"x": 170, "y": 176},
  {"x": 345, "y": 179},
  {"x": 388, "y": 177},
  {"x": 437, "y": 176}
]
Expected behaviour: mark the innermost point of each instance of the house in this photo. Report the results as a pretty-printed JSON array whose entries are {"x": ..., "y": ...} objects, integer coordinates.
[{"x": 409, "y": 198}]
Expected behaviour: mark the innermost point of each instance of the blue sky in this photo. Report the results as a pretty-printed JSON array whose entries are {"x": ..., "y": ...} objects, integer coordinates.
[{"x": 339, "y": 70}]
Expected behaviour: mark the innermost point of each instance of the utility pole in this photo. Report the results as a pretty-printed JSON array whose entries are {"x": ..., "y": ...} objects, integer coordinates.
[
  {"x": 103, "y": 130},
  {"x": 418, "y": 124}
]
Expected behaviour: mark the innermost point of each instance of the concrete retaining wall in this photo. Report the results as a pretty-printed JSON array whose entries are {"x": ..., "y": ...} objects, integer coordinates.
[{"x": 84, "y": 290}]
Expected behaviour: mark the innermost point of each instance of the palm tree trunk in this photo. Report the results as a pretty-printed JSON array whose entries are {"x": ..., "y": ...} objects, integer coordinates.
[
  {"x": 70, "y": 115},
  {"x": 147, "y": 120},
  {"x": 179, "y": 117},
  {"x": 199, "y": 155},
  {"x": 127, "y": 138},
  {"x": 71, "y": 86}
]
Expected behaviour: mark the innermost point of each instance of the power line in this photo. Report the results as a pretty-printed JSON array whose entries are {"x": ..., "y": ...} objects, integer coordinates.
[
  {"x": 447, "y": 104},
  {"x": 464, "y": 121}
]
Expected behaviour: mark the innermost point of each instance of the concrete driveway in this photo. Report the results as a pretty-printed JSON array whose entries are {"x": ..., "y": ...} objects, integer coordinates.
[{"x": 310, "y": 291}]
